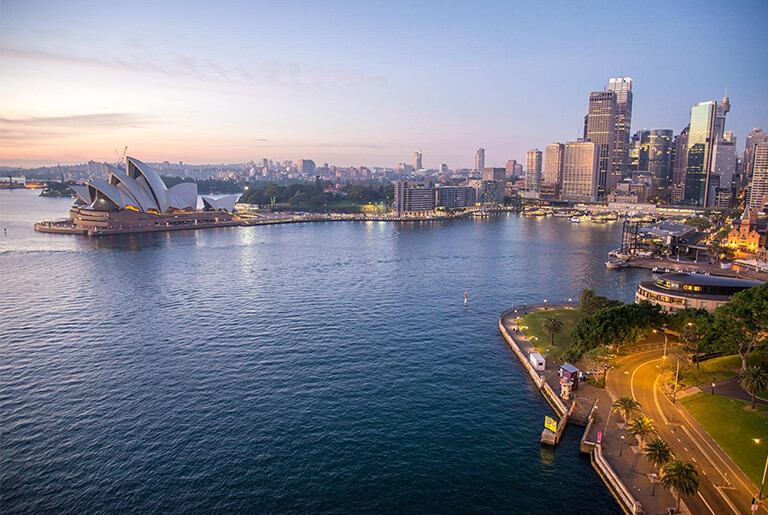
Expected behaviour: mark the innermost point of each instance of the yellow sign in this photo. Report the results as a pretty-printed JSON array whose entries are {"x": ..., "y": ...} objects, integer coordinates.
[{"x": 550, "y": 424}]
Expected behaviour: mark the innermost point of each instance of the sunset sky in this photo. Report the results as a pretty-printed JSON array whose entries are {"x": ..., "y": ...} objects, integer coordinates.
[{"x": 358, "y": 82}]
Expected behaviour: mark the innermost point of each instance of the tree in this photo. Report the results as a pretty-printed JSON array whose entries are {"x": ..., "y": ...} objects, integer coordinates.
[
  {"x": 552, "y": 326},
  {"x": 658, "y": 453},
  {"x": 743, "y": 322},
  {"x": 600, "y": 358},
  {"x": 591, "y": 303},
  {"x": 692, "y": 341},
  {"x": 681, "y": 479},
  {"x": 753, "y": 379},
  {"x": 627, "y": 406},
  {"x": 641, "y": 426}
]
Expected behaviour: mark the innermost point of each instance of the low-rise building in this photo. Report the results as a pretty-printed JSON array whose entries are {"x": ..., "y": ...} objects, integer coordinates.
[{"x": 676, "y": 291}]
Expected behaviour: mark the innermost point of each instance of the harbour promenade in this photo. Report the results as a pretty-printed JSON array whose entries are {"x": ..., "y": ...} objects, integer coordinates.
[{"x": 615, "y": 455}]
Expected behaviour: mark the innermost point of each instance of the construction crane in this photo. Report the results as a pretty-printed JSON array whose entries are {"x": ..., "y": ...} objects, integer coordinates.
[{"x": 121, "y": 157}]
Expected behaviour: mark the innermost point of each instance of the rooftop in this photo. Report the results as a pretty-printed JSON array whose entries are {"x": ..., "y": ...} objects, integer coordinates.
[{"x": 707, "y": 280}]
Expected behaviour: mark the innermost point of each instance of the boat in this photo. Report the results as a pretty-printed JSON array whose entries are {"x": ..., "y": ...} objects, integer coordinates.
[
  {"x": 612, "y": 264},
  {"x": 575, "y": 219}
]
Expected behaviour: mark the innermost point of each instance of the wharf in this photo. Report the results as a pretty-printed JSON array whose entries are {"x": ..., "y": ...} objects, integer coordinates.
[{"x": 738, "y": 272}]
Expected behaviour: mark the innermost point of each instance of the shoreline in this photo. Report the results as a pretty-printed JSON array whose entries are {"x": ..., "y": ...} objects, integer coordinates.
[{"x": 618, "y": 489}]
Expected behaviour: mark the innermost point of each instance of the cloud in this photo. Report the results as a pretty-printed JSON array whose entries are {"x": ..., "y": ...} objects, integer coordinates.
[
  {"x": 22, "y": 131},
  {"x": 270, "y": 72}
]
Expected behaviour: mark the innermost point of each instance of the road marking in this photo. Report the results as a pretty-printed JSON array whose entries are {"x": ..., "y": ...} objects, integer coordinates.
[{"x": 707, "y": 504}]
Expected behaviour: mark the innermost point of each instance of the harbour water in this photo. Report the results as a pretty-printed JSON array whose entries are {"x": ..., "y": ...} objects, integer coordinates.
[{"x": 320, "y": 367}]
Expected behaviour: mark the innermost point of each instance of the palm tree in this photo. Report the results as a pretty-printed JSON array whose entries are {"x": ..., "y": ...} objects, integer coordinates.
[
  {"x": 627, "y": 406},
  {"x": 641, "y": 426},
  {"x": 753, "y": 379},
  {"x": 658, "y": 453},
  {"x": 681, "y": 479},
  {"x": 552, "y": 326}
]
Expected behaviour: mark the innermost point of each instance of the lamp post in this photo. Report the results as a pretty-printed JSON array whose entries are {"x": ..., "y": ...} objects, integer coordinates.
[
  {"x": 677, "y": 378},
  {"x": 762, "y": 485},
  {"x": 621, "y": 449},
  {"x": 653, "y": 481},
  {"x": 664, "y": 332}
]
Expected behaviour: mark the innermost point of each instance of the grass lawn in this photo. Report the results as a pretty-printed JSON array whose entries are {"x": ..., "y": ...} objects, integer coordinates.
[
  {"x": 733, "y": 428},
  {"x": 569, "y": 317},
  {"x": 717, "y": 369}
]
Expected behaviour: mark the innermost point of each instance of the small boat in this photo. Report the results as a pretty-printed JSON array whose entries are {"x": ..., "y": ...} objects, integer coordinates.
[
  {"x": 575, "y": 219},
  {"x": 612, "y": 264}
]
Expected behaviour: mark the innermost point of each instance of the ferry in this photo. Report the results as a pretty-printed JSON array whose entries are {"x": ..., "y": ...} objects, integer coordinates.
[{"x": 575, "y": 219}]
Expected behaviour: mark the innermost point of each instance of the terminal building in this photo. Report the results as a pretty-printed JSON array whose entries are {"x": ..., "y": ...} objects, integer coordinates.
[{"x": 676, "y": 291}]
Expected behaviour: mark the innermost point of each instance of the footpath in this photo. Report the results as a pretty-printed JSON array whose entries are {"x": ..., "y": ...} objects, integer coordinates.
[{"x": 615, "y": 467}]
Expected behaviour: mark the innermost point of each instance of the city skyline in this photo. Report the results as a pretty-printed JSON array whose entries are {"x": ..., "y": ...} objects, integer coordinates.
[{"x": 340, "y": 83}]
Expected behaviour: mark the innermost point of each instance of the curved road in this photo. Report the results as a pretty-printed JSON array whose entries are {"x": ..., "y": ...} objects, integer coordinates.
[{"x": 723, "y": 488}]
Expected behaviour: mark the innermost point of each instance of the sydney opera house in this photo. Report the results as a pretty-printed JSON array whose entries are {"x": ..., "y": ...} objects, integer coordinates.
[{"x": 137, "y": 200}]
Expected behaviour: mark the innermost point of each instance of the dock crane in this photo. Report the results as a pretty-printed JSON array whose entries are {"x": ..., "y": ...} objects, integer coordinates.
[{"x": 121, "y": 157}]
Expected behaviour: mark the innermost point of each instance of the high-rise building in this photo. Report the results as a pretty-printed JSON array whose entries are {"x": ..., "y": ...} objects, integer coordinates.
[
  {"x": 660, "y": 160},
  {"x": 510, "y": 168},
  {"x": 494, "y": 174},
  {"x": 756, "y": 136},
  {"x": 724, "y": 160},
  {"x": 622, "y": 86},
  {"x": 638, "y": 151},
  {"x": 417, "y": 165},
  {"x": 479, "y": 159},
  {"x": 443, "y": 168},
  {"x": 581, "y": 171},
  {"x": 533, "y": 170},
  {"x": 601, "y": 130},
  {"x": 758, "y": 191},
  {"x": 553, "y": 165},
  {"x": 680, "y": 157},
  {"x": 701, "y": 140},
  {"x": 306, "y": 167}
]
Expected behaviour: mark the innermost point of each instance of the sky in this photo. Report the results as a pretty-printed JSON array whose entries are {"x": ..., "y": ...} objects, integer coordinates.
[{"x": 359, "y": 82}]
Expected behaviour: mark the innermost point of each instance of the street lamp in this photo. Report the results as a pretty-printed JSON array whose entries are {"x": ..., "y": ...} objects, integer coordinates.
[
  {"x": 621, "y": 449},
  {"x": 664, "y": 332},
  {"x": 762, "y": 485},
  {"x": 677, "y": 378},
  {"x": 653, "y": 481}
]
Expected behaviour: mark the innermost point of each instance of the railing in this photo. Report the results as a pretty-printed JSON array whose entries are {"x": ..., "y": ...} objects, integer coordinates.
[{"x": 624, "y": 496}]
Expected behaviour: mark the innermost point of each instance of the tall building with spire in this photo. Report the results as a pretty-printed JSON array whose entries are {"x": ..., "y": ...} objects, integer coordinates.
[
  {"x": 479, "y": 159},
  {"x": 622, "y": 86},
  {"x": 601, "y": 130}
]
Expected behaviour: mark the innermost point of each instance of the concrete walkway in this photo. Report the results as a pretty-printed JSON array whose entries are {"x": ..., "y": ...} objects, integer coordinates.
[{"x": 731, "y": 388}]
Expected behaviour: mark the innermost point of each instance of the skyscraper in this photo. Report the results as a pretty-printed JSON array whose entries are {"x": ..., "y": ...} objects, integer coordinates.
[
  {"x": 756, "y": 136},
  {"x": 494, "y": 174},
  {"x": 479, "y": 159},
  {"x": 758, "y": 191},
  {"x": 581, "y": 170},
  {"x": 553, "y": 164},
  {"x": 307, "y": 167},
  {"x": 622, "y": 86},
  {"x": 417, "y": 160},
  {"x": 701, "y": 139},
  {"x": 533, "y": 170},
  {"x": 510, "y": 168},
  {"x": 601, "y": 130},
  {"x": 680, "y": 161},
  {"x": 659, "y": 160}
]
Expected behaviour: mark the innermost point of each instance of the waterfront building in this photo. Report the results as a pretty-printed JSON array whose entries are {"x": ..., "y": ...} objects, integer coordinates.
[
  {"x": 660, "y": 160},
  {"x": 306, "y": 167},
  {"x": 494, "y": 174},
  {"x": 479, "y": 159},
  {"x": 417, "y": 164},
  {"x": 676, "y": 291},
  {"x": 622, "y": 86},
  {"x": 580, "y": 171},
  {"x": 553, "y": 167},
  {"x": 533, "y": 170},
  {"x": 601, "y": 130},
  {"x": 415, "y": 197},
  {"x": 137, "y": 200}
]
